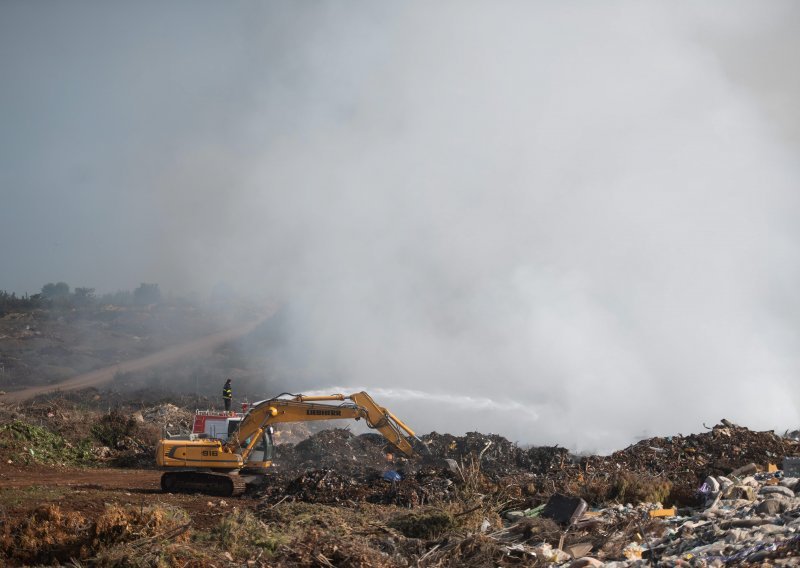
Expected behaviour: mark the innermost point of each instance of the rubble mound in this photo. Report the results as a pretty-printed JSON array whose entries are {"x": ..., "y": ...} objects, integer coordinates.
[
  {"x": 686, "y": 460},
  {"x": 330, "y": 487},
  {"x": 724, "y": 448},
  {"x": 337, "y": 449},
  {"x": 175, "y": 419},
  {"x": 498, "y": 456},
  {"x": 334, "y": 466}
]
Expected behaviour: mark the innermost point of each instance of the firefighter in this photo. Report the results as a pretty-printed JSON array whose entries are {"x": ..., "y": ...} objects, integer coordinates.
[{"x": 227, "y": 395}]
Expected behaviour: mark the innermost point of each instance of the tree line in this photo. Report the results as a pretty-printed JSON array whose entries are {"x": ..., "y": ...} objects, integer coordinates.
[{"x": 59, "y": 295}]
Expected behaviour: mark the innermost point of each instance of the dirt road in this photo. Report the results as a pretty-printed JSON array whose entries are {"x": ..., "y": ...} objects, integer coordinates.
[
  {"x": 165, "y": 356},
  {"x": 106, "y": 478}
]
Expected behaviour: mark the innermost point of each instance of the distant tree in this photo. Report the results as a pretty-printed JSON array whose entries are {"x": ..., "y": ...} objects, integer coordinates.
[
  {"x": 55, "y": 291},
  {"x": 9, "y": 302},
  {"x": 146, "y": 294},
  {"x": 84, "y": 296},
  {"x": 118, "y": 298}
]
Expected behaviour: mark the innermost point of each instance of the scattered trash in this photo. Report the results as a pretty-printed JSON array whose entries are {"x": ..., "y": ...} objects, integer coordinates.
[
  {"x": 392, "y": 475},
  {"x": 480, "y": 500},
  {"x": 579, "y": 549},
  {"x": 791, "y": 466},
  {"x": 564, "y": 510},
  {"x": 748, "y": 469},
  {"x": 663, "y": 512},
  {"x": 719, "y": 506}
]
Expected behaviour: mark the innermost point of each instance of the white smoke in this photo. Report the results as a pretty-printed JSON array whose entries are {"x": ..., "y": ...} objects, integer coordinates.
[
  {"x": 572, "y": 211},
  {"x": 564, "y": 223}
]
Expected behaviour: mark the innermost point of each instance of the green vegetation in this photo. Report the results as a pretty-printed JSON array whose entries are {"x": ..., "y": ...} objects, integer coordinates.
[
  {"x": 59, "y": 295},
  {"x": 146, "y": 294},
  {"x": 55, "y": 291},
  {"x": 28, "y": 443},
  {"x": 114, "y": 427},
  {"x": 10, "y": 302}
]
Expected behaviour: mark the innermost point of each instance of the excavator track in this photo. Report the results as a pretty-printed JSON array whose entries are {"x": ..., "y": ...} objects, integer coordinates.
[{"x": 208, "y": 483}]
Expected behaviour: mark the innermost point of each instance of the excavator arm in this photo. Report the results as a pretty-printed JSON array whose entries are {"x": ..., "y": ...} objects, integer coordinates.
[
  {"x": 234, "y": 454},
  {"x": 300, "y": 408}
]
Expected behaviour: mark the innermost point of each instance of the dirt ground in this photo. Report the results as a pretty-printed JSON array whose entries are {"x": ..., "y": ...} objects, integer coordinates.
[{"x": 25, "y": 489}]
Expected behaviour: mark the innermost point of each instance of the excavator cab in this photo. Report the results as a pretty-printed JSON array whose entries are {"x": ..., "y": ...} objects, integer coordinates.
[{"x": 264, "y": 450}]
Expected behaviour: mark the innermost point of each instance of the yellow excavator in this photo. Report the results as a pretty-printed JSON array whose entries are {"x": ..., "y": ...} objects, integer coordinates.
[{"x": 225, "y": 463}]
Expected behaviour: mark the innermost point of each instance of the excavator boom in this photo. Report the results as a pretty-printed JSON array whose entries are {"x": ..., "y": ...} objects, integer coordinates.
[
  {"x": 302, "y": 408},
  {"x": 207, "y": 460}
]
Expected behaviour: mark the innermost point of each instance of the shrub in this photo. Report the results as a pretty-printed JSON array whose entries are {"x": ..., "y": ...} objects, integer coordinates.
[
  {"x": 113, "y": 427},
  {"x": 29, "y": 443}
]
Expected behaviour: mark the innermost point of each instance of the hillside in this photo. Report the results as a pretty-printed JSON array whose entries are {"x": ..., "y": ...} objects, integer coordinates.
[{"x": 48, "y": 345}]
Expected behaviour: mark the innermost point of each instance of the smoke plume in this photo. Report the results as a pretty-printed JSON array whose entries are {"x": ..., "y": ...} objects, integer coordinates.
[{"x": 564, "y": 223}]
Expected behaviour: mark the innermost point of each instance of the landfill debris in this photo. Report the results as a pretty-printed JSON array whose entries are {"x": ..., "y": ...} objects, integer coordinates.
[
  {"x": 715, "y": 504},
  {"x": 333, "y": 498},
  {"x": 579, "y": 549},
  {"x": 748, "y": 469},
  {"x": 791, "y": 466},
  {"x": 175, "y": 419},
  {"x": 663, "y": 512},
  {"x": 564, "y": 510}
]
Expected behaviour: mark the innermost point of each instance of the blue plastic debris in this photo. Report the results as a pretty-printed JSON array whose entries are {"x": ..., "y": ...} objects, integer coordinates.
[{"x": 392, "y": 475}]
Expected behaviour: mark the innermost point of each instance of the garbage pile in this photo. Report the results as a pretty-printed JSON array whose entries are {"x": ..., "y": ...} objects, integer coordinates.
[
  {"x": 667, "y": 469},
  {"x": 747, "y": 520},
  {"x": 498, "y": 455},
  {"x": 724, "y": 448},
  {"x": 344, "y": 451},
  {"x": 173, "y": 418},
  {"x": 330, "y": 487},
  {"x": 710, "y": 499},
  {"x": 728, "y": 531},
  {"x": 686, "y": 460},
  {"x": 337, "y": 449}
]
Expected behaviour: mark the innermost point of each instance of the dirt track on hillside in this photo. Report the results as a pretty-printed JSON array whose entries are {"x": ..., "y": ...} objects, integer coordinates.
[{"x": 165, "y": 356}]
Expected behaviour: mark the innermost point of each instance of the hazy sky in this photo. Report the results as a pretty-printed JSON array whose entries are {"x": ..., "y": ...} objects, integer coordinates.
[{"x": 563, "y": 222}]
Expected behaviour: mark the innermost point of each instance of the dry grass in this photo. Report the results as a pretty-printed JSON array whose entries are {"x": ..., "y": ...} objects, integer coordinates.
[
  {"x": 53, "y": 535},
  {"x": 638, "y": 488},
  {"x": 244, "y": 535},
  {"x": 624, "y": 487},
  {"x": 428, "y": 525},
  {"x": 478, "y": 498}
]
